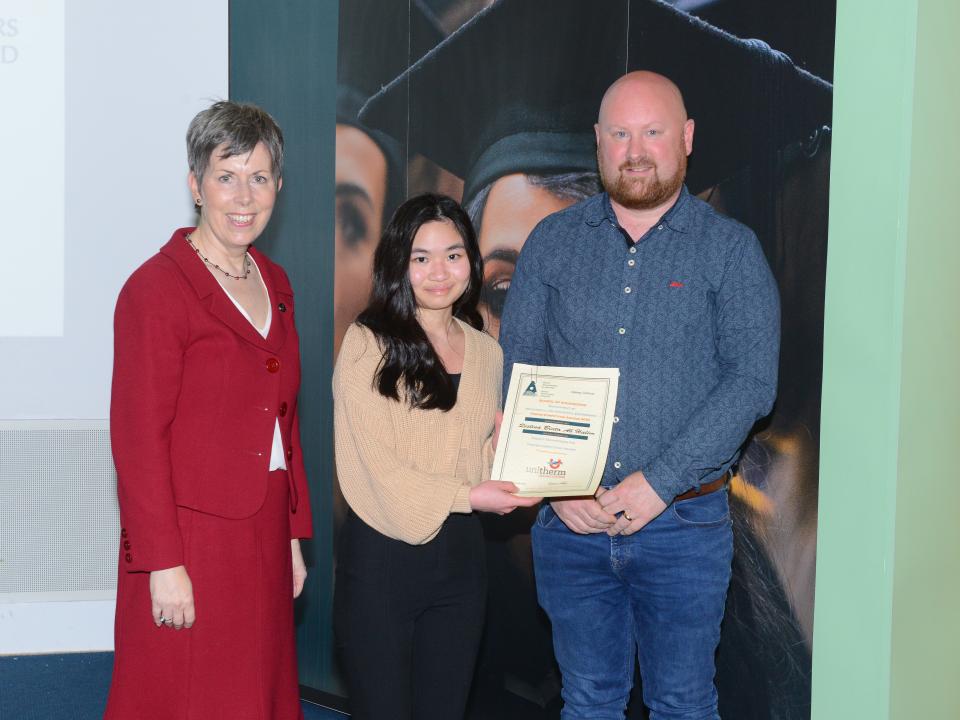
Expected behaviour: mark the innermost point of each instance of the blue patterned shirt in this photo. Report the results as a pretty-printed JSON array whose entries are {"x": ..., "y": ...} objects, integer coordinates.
[{"x": 689, "y": 313}]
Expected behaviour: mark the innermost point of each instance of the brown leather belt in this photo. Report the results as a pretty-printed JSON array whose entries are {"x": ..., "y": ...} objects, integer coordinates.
[{"x": 704, "y": 489}]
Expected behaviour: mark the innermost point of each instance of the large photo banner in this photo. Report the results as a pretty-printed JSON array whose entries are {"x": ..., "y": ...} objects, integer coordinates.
[{"x": 494, "y": 103}]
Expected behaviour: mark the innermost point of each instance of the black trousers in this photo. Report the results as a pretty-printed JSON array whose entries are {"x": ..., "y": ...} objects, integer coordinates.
[{"x": 408, "y": 619}]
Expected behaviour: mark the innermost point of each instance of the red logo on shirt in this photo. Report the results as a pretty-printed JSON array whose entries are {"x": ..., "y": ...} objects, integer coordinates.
[{"x": 676, "y": 284}]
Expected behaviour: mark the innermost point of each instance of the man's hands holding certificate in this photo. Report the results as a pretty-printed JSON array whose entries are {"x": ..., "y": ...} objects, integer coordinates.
[{"x": 622, "y": 510}]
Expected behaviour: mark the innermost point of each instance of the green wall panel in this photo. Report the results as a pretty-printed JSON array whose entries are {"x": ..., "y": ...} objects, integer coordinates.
[
  {"x": 888, "y": 569},
  {"x": 862, "y": 339},
  {"x": 926, "y": 583}
]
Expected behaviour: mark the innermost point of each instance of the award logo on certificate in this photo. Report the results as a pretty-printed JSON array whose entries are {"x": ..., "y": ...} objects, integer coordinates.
[{"x": 556, "y": 429}]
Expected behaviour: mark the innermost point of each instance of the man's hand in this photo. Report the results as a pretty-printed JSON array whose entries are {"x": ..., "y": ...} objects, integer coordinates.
[
  {"x": 584, "y": 516},
  {"x": 636, "y": 502},
  {"x": 171, "y": 598}
]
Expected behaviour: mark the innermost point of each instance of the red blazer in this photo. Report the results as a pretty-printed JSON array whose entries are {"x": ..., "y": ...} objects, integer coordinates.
[{"x": 195, "y": 394}]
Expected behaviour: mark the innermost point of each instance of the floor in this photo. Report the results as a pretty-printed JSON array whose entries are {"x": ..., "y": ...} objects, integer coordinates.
[{"x": 72, "y": 687}]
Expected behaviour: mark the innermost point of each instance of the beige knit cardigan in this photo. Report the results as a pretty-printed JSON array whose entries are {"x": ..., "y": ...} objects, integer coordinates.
[{"x": 403, "y": 470}]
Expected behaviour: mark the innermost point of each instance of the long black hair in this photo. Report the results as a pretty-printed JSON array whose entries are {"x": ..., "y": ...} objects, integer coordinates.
[{"x": 409, "y": 360}]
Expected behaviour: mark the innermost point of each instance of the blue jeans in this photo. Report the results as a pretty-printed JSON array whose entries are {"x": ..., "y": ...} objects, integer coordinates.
[{"x": 658, "y": 593}]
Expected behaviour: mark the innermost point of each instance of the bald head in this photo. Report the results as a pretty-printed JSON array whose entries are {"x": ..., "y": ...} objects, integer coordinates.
[
  {"x": 643, "y": 140},
  {"x": 643, "y": 87}
]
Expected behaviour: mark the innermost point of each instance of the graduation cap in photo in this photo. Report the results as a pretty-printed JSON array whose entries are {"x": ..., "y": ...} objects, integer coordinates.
[
  {"x": 518, "y": 88},
  {"x": 378, "y": 39}
]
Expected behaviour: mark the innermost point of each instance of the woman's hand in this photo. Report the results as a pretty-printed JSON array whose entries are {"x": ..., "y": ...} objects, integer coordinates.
[
  {"x": 171, "y": 598},
  {"x": 497, "y": 496},
  {"x": 299, "y": 568}
]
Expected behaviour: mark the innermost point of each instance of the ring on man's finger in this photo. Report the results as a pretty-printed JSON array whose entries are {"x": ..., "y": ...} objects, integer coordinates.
[
  {"x": 168, "y": 621},
  {"x": 627, "y": 516}
]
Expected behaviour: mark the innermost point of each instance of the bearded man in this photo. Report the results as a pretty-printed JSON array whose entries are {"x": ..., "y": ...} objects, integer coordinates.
[{"x": 648, "y": 279}]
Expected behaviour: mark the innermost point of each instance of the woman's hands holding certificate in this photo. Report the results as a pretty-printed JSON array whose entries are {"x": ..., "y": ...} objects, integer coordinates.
[{"x": 497, "y": 496}]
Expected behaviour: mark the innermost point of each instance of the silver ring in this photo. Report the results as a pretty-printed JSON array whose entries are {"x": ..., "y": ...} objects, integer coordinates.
[
  {"x": 167, "y": 621},
  {"x": 627, "y": 516}
]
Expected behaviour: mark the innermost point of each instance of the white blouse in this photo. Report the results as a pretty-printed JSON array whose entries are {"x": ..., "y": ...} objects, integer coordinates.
[{"x": 277, "y": 461}]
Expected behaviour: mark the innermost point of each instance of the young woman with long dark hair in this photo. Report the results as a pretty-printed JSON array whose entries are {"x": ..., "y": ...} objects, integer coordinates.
[{"x": 416, "y": 392}]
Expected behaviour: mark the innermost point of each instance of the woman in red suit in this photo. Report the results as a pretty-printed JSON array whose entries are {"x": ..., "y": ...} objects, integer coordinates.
[{"x": 203, "y": 423}]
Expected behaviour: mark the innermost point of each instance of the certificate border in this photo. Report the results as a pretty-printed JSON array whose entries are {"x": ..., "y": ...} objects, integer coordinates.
[{"x": 534, "y": 371}]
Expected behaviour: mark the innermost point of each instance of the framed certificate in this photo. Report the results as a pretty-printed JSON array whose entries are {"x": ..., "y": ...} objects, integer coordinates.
[{"x": 556, "y": 429}]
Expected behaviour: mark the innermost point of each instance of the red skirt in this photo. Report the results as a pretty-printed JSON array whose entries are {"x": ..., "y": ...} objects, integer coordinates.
[{"x": 238, "y": 661}]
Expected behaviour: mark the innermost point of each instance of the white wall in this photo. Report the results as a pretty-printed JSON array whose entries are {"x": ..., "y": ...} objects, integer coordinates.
[
  {"x": 56, "y": 627},
  {"x": 135, "y": 73}
]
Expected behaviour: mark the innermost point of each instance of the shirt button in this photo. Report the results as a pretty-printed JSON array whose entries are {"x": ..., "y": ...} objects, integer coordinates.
[
  {"x": 631, "y": 262},
  {"x": 616, "y": 419},
  {"x": 622, "y": 331},
  {"x": 282, "y": 410},
  {"x": 123, "y": 532},
  {"x": 659, "y": 227},
  {"x": 617, "y": 464},
  {"x": 126, "y": 544},
  {"x": 273, "y": 365},
  {"x": 128, "y": 557},
  {"x": 282, "y": 307},
  {"x": 627, "y": 290},
  {"x": 289, "y": 453},
  {"x": 633, "y": 250}
]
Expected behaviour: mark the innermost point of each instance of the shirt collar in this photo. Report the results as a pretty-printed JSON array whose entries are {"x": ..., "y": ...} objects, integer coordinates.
[{"x": 676, "y": 218}]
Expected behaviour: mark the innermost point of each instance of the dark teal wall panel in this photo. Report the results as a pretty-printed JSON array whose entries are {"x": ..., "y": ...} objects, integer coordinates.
[{"x": 283, "y": 56}]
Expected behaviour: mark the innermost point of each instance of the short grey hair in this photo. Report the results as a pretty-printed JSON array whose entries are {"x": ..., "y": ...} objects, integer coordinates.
[{"x": 240, "y": 126}]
